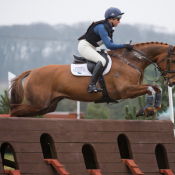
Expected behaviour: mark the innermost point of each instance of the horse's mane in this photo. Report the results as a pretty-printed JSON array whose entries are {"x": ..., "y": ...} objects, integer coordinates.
[
  {"x": 138, "y": 44},
  {"x": 144, "y": 43}
]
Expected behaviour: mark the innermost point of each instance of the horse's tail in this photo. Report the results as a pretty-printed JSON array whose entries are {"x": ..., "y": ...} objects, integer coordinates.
[{"x": 17, "y": 90}]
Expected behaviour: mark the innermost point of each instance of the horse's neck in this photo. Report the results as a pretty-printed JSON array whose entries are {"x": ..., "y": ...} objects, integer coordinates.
[{"x": 151, "y": 53}]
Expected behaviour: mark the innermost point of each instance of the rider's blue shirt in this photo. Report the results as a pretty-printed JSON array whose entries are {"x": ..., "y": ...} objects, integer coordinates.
[{"x": 100, "y": 30}]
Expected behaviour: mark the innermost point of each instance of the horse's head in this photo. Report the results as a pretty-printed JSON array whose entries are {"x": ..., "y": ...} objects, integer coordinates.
[
  {"x": 144, "y": 54},
  {"x": 166, "y": 62}
]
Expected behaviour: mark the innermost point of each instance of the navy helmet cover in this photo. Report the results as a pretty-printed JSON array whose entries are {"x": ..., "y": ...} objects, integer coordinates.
[{"x": 113, "y": 12}]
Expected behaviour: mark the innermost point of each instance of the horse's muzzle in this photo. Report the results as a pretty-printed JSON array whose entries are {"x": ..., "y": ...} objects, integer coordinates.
[{"x": 169, "y": 83}]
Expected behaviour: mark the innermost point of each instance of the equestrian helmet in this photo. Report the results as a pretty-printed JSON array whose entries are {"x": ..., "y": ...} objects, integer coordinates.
[{"x": 113, "y": 12}]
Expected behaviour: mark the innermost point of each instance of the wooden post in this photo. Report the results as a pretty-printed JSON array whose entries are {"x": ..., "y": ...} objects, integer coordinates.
[
  {"x": 10, "y": 77},
  {"x": 171, "y": 105},
  {"x": 78, "y": 109}
]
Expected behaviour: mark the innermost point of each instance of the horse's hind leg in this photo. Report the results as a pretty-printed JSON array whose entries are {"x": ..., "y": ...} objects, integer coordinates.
[
  {"x": 52, "y": 106},
  {"x": 26, "y": 110},
  {"x": 22, "y": 110}
]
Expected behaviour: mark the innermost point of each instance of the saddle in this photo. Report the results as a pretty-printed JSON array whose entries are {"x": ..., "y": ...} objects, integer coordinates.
[{"x": 90, "y": 64}]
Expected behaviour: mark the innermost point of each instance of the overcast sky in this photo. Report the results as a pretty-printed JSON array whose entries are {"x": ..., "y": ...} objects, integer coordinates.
[{"x": 160, "y": 13}]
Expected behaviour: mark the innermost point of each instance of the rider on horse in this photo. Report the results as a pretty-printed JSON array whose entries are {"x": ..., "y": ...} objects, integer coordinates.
[{"x": 99, "y": 33}]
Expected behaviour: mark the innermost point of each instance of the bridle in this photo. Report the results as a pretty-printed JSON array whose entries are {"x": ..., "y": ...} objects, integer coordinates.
[{"x": 164, "y": 74}]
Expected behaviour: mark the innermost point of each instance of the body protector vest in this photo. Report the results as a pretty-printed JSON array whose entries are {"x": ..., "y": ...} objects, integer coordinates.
[{"x": 92, "y": 37}]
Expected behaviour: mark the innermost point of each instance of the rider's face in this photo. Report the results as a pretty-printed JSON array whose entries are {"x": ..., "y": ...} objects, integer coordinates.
[{"x": 116, "y": 21}]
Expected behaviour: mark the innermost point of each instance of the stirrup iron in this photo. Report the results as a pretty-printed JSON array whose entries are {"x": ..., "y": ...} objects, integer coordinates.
[{"x": 94, "y": 88}]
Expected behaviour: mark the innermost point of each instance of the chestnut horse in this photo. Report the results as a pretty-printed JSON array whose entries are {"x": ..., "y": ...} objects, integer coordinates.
[{"x": 44, "y": 87}]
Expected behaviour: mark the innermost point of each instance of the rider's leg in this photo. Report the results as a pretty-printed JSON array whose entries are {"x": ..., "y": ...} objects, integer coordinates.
[
  {"x": 89, "y": 52},
  {"x": 96, "y": 72}
]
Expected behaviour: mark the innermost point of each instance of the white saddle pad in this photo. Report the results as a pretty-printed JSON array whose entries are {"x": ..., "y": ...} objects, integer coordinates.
[{"x": 82, "y": 70}]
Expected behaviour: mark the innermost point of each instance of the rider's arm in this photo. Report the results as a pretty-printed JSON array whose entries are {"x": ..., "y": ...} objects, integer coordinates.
[{"x": 100, "y": 30}]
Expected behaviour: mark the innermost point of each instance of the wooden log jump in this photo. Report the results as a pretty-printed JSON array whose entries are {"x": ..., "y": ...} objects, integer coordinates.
[{"x": 82, "y": 146}]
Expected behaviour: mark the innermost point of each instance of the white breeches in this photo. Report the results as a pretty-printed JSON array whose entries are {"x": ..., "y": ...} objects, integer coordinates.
[{"x": 89, "y": 52}]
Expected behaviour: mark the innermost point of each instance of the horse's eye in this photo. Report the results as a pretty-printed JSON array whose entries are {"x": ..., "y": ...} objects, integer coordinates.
[{"x": 173, "y": 61}]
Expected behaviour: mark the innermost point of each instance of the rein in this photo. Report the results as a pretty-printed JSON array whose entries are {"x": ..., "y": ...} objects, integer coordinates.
[
  {"x": 116, "y": 56},
  {"x": 155, "y": 66}
]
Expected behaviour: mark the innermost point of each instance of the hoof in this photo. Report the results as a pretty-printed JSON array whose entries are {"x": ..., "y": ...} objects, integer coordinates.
[
  {"x": 151, "y": 113},
  {"x": 148, "y": 110},
  {"x": 156, "y": 108},
  {"x": 140, "y": 112}
]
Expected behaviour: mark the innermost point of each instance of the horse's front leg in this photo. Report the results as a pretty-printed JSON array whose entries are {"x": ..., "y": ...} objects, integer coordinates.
[
  {"x": 158, "y": 96},
  {"x": 133, "y": 91}
]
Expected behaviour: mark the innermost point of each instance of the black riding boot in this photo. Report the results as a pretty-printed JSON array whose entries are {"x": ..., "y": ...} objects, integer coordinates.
[{"x": 96, "y": 72}]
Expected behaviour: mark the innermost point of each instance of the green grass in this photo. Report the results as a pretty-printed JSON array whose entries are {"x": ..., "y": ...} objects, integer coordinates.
[{"x": 8, "y": 156}]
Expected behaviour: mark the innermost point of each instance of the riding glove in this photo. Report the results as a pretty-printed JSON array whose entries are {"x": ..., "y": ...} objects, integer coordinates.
[{"x": 128, "y": 46}]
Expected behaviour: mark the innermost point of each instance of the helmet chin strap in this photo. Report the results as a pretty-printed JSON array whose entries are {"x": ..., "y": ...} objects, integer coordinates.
[{"x": 112, "y": 22}]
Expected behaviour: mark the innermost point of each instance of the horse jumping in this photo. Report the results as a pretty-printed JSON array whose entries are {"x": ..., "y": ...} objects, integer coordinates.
[{"x": 46, "y": 86}]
